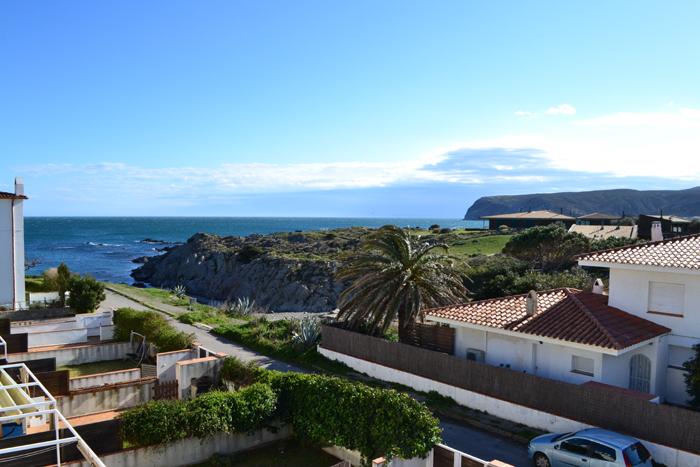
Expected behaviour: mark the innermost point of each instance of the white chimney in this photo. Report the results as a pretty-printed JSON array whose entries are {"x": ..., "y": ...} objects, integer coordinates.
[
  {"x": 19, "y": 186},
  {"x": 598, "y": 287},
  {"x": 656, "y": 233},
  {"x": 531, "y": 303}
]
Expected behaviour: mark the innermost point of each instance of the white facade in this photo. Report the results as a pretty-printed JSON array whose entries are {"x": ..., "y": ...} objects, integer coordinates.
[
  {"x": 557, "y": 359},
  {"x": 12, "y": 293},
  {"x": 668, "y": 297}
]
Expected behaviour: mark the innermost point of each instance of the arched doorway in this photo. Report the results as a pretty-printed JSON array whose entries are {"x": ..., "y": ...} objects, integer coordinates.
[{"x": 640, "y": 373}]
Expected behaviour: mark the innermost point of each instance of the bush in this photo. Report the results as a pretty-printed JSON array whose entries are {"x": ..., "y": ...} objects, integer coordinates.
[
  {"x": 376, "y": 422},
  {"x": 549, "y": 247},
  {"x": 153, "y": 325},
  {"x": 155, "y": 422},
  {"x": 692, "y": 378},
  {"x": 239, "y": 372},
  {"x": 86, "y": 294},
  {"x": 214, "y": 412}
]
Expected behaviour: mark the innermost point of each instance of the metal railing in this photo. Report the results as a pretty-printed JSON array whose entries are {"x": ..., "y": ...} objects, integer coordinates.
[{"x": 44, "y": 408}]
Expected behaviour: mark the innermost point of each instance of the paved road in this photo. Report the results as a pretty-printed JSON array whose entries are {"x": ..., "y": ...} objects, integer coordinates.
[{"x": 477, "y": 443}]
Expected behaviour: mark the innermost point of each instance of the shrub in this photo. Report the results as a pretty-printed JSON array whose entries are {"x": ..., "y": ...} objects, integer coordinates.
[
  {"x": 692, "y": 378},
  {"x": 154, "y": 423},
  {"x": 239, "y": 372},
  {"x": 248, "y": 253},
  {"x": 332, "y": 411},
  {"x": 152, "y": 325},
  {"x": 308, "y": 331},
  {"x": 549, "y": 247},
  {"x": 86, "y": 294},
  {"x": 214, "y": 412},
  {"x": 180, "y": 291}
]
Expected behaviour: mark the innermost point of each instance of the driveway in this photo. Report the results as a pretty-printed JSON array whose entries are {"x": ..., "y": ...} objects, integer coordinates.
[{"x": 481, "y": 444}]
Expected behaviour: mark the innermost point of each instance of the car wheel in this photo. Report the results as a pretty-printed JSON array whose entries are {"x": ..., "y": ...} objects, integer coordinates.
[{"x": 541, "y": 460}]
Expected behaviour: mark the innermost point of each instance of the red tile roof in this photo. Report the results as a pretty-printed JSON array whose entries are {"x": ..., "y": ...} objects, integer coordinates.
[
  {"x": 565, "y": 314},
  {"x": 679, "y": 252},
  {"x": 6, "y": 195}
]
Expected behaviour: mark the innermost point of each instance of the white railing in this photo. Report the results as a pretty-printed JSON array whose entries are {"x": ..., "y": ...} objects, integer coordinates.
[{"x": 38, "y": 408}]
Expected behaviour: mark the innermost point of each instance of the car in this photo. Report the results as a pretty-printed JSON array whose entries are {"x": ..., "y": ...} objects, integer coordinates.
[{"x": 592, "y": 447}]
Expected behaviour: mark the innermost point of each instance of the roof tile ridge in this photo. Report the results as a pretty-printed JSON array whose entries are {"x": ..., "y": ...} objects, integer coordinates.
[
  {"x": 638, "y": 245},
  {"x": 495, "y": 299},
  {"x": 595, "y": 321}
]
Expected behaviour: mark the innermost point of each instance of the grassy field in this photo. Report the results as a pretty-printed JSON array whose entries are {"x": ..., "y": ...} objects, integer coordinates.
[
  {"x": 489, "y": 245},
  {"x": 98, "y": 367},
  {"x": 34, "y": 284},
  {"x": 290, "y": 453}
]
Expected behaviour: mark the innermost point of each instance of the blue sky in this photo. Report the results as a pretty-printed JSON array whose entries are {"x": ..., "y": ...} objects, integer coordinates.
[{"x": 362, "y": 108}]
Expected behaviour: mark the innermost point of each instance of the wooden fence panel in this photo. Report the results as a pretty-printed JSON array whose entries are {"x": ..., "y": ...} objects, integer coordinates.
[
  {"x": 443, "y": 457},
  {"x": 16, "y": 342},
  {"x": 590, "y": 405},
  {"x": 166, "y": 390},
  {"x": 56, "y": 382}
]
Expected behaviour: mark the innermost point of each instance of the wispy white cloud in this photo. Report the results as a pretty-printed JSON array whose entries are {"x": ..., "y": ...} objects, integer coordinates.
[{"x": 561, "y": 109}]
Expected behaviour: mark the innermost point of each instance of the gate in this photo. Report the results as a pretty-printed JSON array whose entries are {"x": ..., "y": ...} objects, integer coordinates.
[
  {"x": 166, "y": 390},
  {"x": 443, "y": 457}
]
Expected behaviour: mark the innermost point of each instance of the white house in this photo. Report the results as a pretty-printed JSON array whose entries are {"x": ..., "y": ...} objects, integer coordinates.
[
  {"x": 564, "y": 334},
  {"x": 12, "y": 247},
  {"x": 660, "y": 282}
]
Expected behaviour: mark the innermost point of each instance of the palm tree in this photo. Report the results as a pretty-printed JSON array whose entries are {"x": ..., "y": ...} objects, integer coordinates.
[{"x": 395, "y": 275}]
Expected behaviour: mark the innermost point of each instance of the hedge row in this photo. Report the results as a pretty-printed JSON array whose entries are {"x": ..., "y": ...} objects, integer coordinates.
[
  {"x": 331, "y": 411},
  {"x": 214, "y": 412},
  {"x": 153, "y": 325},
  {"x": 323, "y": 410}
]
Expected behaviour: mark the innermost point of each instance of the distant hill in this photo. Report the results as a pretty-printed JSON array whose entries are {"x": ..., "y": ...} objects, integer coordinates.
[{"x": 631, "y": 202}]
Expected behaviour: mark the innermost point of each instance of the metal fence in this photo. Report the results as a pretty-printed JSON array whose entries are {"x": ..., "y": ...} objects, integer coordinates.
[{"x": 668, "y": 425}]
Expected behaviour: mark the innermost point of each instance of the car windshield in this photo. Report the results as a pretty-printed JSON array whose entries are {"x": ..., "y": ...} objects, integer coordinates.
[
  {"x": 562, "y": 436},
  {"x": 636, "y": 454}
]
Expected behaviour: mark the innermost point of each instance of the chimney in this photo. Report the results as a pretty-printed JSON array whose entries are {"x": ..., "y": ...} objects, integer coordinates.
[
  {"x": 598, "y": 287},
  {"x": 531, "y": 303},
  {"x": 19, "y": 186},
  {"x": 656, "y": 233}
]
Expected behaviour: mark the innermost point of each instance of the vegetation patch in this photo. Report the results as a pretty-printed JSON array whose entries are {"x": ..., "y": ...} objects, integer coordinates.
[
  {"x": 153, "y": 325},
  {"x": 289, "y": 452}
]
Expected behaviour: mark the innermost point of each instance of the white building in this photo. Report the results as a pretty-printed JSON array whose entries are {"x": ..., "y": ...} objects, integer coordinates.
[
  {"x": 12, "y": 247},
  {"x": 564, "y": 334},
  {"x": 660, "y": 281}
]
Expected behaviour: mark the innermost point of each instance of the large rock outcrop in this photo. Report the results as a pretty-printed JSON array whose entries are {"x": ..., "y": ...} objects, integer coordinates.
[{"x": 283, "y": 272}]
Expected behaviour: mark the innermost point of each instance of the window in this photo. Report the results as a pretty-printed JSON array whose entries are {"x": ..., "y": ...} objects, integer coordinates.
[
  {"x": 640, "y": 373},
  {"x": 666, "y": 298},
  {"x": 582, "y": 365},
  {"x": 636, "y": 454},
  {"x": 576, "y": 446},
  {"x": 604, "y": 453}
]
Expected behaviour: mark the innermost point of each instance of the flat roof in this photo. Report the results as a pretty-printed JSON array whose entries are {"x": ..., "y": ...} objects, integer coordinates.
[
  {"x": 599, "y": 216},
  {"x": 535, "y": 215}
]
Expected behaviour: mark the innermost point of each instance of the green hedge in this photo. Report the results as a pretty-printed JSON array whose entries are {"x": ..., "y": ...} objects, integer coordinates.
[
  {"x": 214, "y": 412},
  {"x": 323, "y": 410},
  {"x": 331, "y": 411},
  {"x": 153, "y": 325}
]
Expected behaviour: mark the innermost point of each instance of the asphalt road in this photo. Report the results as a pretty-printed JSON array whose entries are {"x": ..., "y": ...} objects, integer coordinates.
[{"x": 481, "y": 444}]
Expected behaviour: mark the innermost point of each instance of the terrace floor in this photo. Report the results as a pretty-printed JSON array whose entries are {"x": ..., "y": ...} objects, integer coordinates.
[
  {"x": 288, "y": 452},
  {"x": 98, "y": 367}
]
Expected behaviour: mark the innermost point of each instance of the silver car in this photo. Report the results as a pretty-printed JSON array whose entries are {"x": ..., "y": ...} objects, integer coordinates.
[{"x": 592, "y": 447}]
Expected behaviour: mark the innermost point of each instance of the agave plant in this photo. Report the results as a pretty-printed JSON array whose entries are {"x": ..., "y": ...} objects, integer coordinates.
[
  {"x": 243, "y": 306},
  {"x": 180, "y": 291},
  {"x": 308, "y": 331}
]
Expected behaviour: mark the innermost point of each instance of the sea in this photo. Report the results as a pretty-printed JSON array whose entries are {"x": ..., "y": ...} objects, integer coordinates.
[{"x": 104, "y": 247}]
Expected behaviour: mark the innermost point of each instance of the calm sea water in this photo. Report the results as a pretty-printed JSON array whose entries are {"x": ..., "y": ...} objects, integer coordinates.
[{"x": 105, "y": 246}]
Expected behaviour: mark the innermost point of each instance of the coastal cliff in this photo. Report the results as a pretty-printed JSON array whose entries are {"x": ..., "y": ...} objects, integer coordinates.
[{"x": 286, "y": 272}]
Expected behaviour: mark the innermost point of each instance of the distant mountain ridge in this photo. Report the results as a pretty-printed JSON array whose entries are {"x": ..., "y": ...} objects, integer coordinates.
[{"x": 631, "y": 202}]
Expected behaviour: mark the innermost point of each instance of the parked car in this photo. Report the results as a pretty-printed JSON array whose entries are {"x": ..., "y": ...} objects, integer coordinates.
[{"x": 592, "y": 447}]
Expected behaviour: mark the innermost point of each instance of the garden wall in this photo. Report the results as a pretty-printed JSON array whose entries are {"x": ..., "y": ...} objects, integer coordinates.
[
  {"x": 190, "y": 451},
  {"x": 542, "y": 420},
  {"x": 112, "y": 397},
  {"x": 75, "y": 354},
  {"x": 187, "y": 371},
  {"x": 101, "y": 379},
  {"x": 165, "y": 362}
]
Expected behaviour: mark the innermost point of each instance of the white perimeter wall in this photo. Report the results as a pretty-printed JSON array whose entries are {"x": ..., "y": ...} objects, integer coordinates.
[
  {"x": 101, "y": 379},
  {"x": 165, "y": 363},
  {"x": 117, "y": 397},
  {"x": 7, "y": 285},
  {"x": 78, "y": 354},
  {"x": 190, "y": 451},
  {"x": 507, "y": 410},
  {"x": 187, "y": 370}
]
